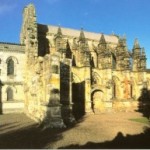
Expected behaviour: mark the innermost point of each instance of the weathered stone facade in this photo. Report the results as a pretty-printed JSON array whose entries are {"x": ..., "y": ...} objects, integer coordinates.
[
  {"x": 69, "y": 72},
  {"x": 12, "y": 64}
]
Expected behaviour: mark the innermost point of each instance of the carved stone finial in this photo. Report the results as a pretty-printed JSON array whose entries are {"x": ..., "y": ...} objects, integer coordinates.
[
  {"x": 102, "y": 44},
  {"x": 136, "y": 49},
  {"x": 59, "y": 32},
  {"x": 143, "y": 52},
  {"x": 136, "y": 44},
  {"x": 82, "y": 36},
  {"x": 102, "y": 40}
]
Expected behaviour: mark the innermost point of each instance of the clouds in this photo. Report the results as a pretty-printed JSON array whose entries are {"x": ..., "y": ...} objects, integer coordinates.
[{"x": 5, "y": 8}]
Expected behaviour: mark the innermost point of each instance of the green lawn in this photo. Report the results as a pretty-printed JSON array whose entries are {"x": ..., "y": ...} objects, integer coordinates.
[{"x": 140, "y": 120}]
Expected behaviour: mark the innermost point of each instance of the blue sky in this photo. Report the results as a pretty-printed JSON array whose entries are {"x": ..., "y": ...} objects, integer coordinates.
[{"x": 129, "y": 17}]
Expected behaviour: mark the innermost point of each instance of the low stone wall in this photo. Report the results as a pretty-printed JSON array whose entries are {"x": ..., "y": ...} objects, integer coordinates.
[
  {"x": 102, "y": 106},
  {"x": 117, "y": 106},
  {"x": 12, "y": 107},
  {"x": 125, "y": 105}
]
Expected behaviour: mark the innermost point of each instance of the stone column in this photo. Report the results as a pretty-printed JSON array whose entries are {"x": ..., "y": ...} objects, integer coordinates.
[
  {"x": 66, "y": 91},
  {"x": 88, "y": 108},
  {"x": 52, "y": 110}
]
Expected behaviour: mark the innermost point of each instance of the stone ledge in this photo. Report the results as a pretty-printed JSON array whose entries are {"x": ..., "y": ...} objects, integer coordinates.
[
  {"x": 13, "y": 101},
  {"x": 12, "y": 83},
  {"x": 10, "y": 43},
  {"x": 8, "y": 111},
  {"x": 12, "y": 107}
]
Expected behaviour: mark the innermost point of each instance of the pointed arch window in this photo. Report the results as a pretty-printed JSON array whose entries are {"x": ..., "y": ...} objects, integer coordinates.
[
  {"x": 113, "y": 62},
  {"x": 114, "y": 90},
  {"x": 10, "y": 67},
  {"x": 9, "y": 94}
]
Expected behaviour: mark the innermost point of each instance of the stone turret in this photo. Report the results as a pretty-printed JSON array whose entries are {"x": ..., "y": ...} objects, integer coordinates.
[
  {"x": 83, "y": 51},
  {"x": 122, "y": 55},
  {"x": 58, "y": 38},
  {"x": 104, "y": 54},
  {"x": 82, "y": 36},
  {"x": 127, "y": 62},
  {"x": 136, "y": 49},
  {"x": 59, "y": 32},
  {"x": 136, "y": 54},
  {"x": 143, "y": 60},
  {"x": 102, "y": 43}
]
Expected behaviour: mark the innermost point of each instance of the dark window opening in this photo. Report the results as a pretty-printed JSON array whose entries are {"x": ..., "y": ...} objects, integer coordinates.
[
  {"x": 55, "y": 69},
  {"x": 114, "y": 91},
  {"x": 10, "y": 67},
  {"x": 113, "y": 62},
  {"x": 9, "y": 94}
]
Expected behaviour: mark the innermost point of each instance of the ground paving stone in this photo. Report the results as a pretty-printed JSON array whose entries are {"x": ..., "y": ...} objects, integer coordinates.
[{"x": 92, "y": 131}]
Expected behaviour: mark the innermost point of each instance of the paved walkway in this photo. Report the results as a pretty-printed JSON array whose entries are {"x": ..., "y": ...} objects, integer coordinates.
[{"x": 107, "y": 130}]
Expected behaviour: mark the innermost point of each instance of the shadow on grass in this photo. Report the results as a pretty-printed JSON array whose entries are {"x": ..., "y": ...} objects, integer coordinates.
[{"x": 140, "y": 141}]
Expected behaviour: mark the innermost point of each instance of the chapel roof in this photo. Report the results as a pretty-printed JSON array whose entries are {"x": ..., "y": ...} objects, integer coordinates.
[{"x": 75, "y": 33}]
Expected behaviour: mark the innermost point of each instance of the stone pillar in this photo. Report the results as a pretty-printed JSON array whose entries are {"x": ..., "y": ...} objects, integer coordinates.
[
  {"x": 66, "y": 91},
  {"x": 88, "y": 108},
  {"x": 53, "y": 108}
]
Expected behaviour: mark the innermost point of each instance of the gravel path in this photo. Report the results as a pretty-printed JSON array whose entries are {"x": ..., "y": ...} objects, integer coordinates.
[{"x": 107, "y": 130}]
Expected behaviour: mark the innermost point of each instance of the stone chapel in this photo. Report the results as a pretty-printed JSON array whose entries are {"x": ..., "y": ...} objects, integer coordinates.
[{"x": 57, "y": 74}]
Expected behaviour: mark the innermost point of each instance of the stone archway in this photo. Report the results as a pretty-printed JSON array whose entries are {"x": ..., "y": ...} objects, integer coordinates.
[
  {"x": 97, "y": 103},
  {"x": 96, "y": 79}
]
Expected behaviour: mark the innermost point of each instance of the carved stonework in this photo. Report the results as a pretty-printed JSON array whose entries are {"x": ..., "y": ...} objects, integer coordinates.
[
  {"x": 74, "y": 45},
  {"x": 127, "y": 89},
  {"x": 68, "y": 71}
]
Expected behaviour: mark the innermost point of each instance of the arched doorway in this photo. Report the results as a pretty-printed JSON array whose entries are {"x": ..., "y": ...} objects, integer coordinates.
[{"x": 97, "y": 104}]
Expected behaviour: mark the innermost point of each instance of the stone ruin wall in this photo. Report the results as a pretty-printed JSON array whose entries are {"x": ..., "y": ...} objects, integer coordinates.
[{"x": 40, "y": 51}]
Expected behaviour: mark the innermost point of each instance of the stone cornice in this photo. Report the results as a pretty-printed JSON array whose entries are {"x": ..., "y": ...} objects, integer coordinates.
[
  {"x": 7, "y": 43},
  {"x": 12, "y": 83},
  {"x": 12, "y": 51},
  {"x": 11, "y": 47}
]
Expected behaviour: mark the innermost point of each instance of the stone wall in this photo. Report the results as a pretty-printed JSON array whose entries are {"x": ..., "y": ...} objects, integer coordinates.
[
  {"x": 14, "y": 81},
  {"x": 73, "y": 71}
]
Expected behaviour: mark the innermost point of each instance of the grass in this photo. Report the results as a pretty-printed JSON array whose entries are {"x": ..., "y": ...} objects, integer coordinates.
[{"x": 140, "y": 120}]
